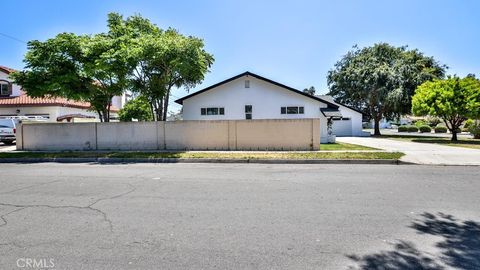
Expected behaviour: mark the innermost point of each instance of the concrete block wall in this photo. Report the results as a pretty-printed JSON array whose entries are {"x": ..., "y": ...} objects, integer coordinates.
[
  {"x": 274, "y": 134},
  {"x": 127, "y": 136},
  {"x": 58, "y": 136},
  {"x": 196, "y": 135}
]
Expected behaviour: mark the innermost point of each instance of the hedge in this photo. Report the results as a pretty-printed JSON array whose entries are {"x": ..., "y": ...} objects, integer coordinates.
[
  {"x": 425, "y": 129},
  {"x": 441, "y": 129},
  {"x": 412, "y": 129},
  {"x": 402, "y": 129}
]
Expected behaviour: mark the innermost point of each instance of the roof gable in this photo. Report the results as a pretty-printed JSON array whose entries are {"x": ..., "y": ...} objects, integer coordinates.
[
  {"x": 330, "y": 104},
  {"x": 330, "y": 98}
]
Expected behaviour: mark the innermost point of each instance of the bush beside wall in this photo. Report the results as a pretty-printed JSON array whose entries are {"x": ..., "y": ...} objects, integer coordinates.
[
  {"x": 402, "y": 129},
  {"x": 440, "y": 129},
  {"x": 425, "y": 129},
  {"x": 412, "y": 129}
]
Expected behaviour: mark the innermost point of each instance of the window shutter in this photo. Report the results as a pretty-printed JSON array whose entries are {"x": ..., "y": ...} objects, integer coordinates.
[{"x": 10, "y": 89}]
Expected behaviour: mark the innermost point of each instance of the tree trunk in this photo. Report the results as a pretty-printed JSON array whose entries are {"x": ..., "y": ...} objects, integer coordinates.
[
  {"x": 160, "y": 110},
  {"x": 165, "y": 106},
  {"x": 108, "y": 112},
  {"x": 377, "y": 126},
  {"x": 105, "y": 116},
  {"x": 454, "y": 135},
  {"x": 153, "y": 112},
  {"x": 100, "y": 116}
]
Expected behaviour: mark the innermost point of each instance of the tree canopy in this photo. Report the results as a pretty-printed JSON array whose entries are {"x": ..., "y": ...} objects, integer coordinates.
[
  {"x": 380, "y": 80},
  {"x": 163, "y": 59},
  {"x": 310, "y": 91},
  {"x": 134, "y": 54},
  {"x": 137, "y": 108},
  {"x": 452, "y": 99},
  {"x": 78, "y": 67}
]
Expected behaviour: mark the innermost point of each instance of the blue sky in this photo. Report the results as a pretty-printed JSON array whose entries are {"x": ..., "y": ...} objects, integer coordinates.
[{"x": 293, "y": 42}]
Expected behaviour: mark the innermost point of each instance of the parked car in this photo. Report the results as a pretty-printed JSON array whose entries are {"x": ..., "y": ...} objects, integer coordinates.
[{"x": 8, "y": 129}]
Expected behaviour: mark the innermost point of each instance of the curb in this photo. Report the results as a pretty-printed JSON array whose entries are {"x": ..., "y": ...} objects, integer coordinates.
[{"x": 203, "y": 160}]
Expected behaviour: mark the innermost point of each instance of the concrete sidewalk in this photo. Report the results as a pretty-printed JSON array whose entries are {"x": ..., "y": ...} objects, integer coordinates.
[
  {"x": 7, "y": 148},
  {"x": 421, "y": 153}
]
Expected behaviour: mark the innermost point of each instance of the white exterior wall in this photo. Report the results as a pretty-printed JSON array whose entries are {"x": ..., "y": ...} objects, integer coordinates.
[
  {"x": 266, "y": 100},
  {"x": 352, "y": 127},
  {"x": 120, "y": 101},
  {"x": 52, "y": 111}
]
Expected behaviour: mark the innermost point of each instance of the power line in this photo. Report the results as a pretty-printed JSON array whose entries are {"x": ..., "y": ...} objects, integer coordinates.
[{"x": 13, "y": 38}]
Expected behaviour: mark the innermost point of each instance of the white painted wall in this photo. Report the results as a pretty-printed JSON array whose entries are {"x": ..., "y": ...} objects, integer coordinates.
[
  {"x": 353, "y": 127},
  {"x": 52, "y": 111},
  {"x": 266, "y": 100},
  {"x": 120, "y": 101}
]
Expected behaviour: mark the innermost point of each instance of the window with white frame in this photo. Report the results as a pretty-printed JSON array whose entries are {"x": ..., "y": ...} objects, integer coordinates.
[
  {"x": 292, "y": 110},
  {"x": 212, "y": 111}
]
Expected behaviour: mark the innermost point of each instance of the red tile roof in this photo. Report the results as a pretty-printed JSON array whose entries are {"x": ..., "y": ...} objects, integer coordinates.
[
  {"x": 7, "y": 69},
  {"x": 24, "y": 100}
]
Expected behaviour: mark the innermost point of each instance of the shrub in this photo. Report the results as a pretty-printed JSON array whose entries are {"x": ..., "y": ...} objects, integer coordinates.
[
  {"x": 433, "y": 121},
  {"x": 474, "y": 128},
  {"x": 412, "y": 129},
  {"x": 420, "y": 123},
  {"x": 440, "y": 129},
  {"x": 402, "y": 129},
  {"x": 425, "y": 129},
  {"x": 468, "y": 123},
  {"x": 137, "y": 108}
]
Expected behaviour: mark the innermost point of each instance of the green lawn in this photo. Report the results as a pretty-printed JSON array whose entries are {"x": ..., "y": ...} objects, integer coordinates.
[
  {"x": 467, "y": 143},
  {"x": 343, "y": 146},
  {"x": 215, "y": 155}
]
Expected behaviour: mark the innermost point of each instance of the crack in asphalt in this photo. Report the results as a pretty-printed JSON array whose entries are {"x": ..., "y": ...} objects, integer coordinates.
[
  {"x": 27, "y": 187},
  {"x": 88, "y": 207},
  {"x": 2, "y": 217}
]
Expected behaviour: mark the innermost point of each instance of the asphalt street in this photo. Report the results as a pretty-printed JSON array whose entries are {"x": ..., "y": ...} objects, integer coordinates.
[{"x": 239, "y": 216}]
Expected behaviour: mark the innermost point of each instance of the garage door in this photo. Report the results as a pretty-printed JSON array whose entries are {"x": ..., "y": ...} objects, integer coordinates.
[{"x": 342, "y": 127}]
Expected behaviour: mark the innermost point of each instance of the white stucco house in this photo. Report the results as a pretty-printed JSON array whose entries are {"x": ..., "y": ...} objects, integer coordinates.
[
  {"x": 15, "y": 103},
  {"x": 250, "y": 96}
]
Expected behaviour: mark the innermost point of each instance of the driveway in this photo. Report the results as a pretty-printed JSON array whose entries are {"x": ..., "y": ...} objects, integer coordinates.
[
  {"x": 239, "y": 216},
  {"x": 421, "y": 153},
  {"x": 7, "y": 148}
]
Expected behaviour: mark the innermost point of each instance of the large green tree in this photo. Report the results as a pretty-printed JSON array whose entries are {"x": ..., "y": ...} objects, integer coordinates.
[
  {"x": 79, "y": 67},
  {"x": 163, "y": 59},
  {"x": 452, "y": 99},
  {"x": 380, "y": 80}
]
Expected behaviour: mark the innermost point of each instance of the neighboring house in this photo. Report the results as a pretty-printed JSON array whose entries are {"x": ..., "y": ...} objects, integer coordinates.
[
  {"x": 14, "y": 103},
  {"x": 250, "y": 96}
]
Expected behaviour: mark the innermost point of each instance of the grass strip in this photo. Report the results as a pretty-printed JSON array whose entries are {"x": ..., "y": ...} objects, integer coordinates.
[
  {"x": 462, "y": 142},
  {"x": 344, "y": 146},
  {"x": 207, "y": 155}
]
